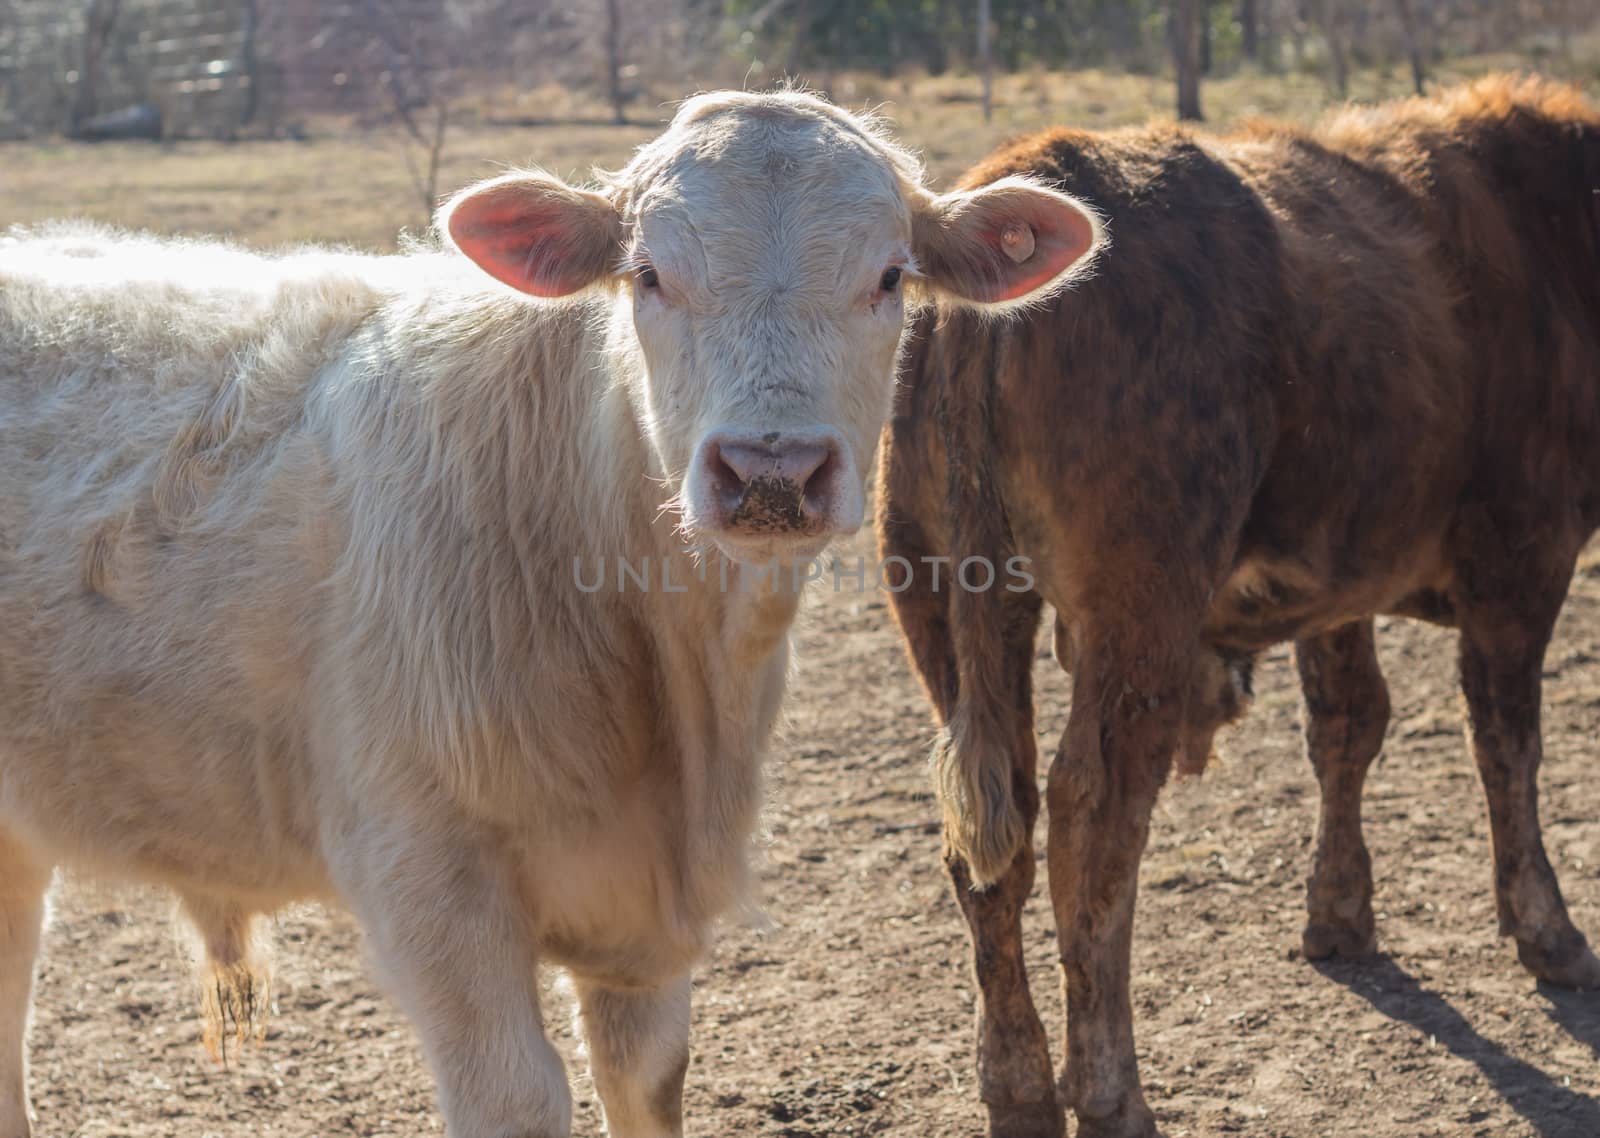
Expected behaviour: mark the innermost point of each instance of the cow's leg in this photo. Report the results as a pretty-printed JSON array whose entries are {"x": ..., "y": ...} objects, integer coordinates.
[
  {"x": 1346, "y": 715},
  {"x": 1506, "y": 607},
  {"x": 23, "y": 883},
  {"x": 453, "y": 944},
  {"x": 1126, "y": 723},
  {"x": 638, "y": 1042},
  {"x": 1015, "y": 1077}
]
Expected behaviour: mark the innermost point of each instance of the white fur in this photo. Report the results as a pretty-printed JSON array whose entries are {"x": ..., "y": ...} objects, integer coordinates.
[{"x": 287, "y": 604}]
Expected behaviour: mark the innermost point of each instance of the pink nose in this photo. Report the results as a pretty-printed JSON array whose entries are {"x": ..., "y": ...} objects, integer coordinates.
[{"x": 772, "y": 484}]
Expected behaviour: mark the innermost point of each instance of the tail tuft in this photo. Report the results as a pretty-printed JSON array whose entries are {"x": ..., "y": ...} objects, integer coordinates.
[
  {"x": 234, "y": 1000},
  {"x": 982, "y": 822},
  {"x": 234, "y": 963}
]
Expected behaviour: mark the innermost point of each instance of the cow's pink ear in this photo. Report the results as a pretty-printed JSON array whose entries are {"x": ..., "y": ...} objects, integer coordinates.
[
  {"x": 535, "y": 233},
  {"x": 1007, "y": 243}
]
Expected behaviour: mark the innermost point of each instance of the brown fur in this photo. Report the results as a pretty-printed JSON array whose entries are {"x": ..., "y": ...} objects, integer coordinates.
[{"x": 1318, "y": 376}]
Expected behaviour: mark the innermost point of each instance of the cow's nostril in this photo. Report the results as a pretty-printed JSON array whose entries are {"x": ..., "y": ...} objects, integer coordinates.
[
  {"x": 794, "y": 464},
  {"x": 727, "y": 479},
  {"x": 761, "y": 484},
  {"x": 820, "y": 484}
]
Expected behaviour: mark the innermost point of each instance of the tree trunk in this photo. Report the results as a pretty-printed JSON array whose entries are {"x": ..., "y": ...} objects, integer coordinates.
[
  {"x": 1184, "y": 24},
  {"x": 1205, "y": 37},
  {"x": 1413, "y": 33},
  {"x": 98, "y": 20},
  {"x": 1269, "y": 46},
  {"x": 1332, "y": 20},
  {"x": 614, "y": 59},
  {"x": 1249, "y": 30},
  {"x": 985, "y": 64},
  {"x": 250, "y": 64}
]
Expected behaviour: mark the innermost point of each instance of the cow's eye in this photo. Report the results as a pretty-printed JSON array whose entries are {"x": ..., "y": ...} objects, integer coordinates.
[
  {"x": 890, "y": 279},
  {"x": 647, "y": 277}
]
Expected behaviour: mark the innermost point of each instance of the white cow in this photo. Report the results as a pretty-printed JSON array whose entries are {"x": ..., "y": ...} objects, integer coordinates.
[{"x": 287, "y": 601}]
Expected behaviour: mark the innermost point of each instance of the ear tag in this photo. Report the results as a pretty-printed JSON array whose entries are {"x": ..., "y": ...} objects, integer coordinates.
[{"x": 1017, "y": 241}]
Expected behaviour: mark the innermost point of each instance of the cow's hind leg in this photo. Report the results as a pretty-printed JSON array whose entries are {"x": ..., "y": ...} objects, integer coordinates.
[
  {"x": 1346, "y": 715},
  {"x": 1126, "y": 722},
  {"x": 1015, "y": 1078},
  {"x": 638, "y": 1043},
  {"x": 23, "y": 884},
  {"x": 1506, "y": 606}
]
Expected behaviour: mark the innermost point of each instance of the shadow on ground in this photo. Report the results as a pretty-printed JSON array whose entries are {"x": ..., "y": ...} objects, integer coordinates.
[{"x": 1553, "y": 1110}]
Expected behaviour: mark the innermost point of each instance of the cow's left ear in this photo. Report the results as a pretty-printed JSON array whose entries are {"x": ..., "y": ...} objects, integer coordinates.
[
  {"x": 1004, "y": 244},
  {"x": 535, "y": 233}
]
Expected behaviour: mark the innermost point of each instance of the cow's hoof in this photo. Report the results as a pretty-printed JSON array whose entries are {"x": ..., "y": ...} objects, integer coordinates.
[
  {"x": 1027, "y": 1120},
  {"x": 1132, "y": 1120},
  {"x": 1576, "y": 967},
  {"x": 1322, "y": 940}
]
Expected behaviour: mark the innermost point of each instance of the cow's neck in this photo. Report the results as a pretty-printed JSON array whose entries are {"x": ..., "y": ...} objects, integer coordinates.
[{"x": 719, "y": 637}]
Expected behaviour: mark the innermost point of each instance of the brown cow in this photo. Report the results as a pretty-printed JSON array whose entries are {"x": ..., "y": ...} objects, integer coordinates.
[{"x": 1318, "y": 376}]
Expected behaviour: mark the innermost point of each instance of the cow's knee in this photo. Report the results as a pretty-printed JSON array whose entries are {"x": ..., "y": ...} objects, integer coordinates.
[{"x": 451, "y": 941}]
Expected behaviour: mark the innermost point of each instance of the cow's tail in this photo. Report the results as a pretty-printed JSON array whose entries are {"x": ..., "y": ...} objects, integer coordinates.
[
  {"x": 972, "y": 775},
  {"x": 975, "y": 764}
]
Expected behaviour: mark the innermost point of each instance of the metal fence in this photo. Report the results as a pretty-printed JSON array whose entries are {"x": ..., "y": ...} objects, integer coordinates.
[{"x": 191, "y": 67}]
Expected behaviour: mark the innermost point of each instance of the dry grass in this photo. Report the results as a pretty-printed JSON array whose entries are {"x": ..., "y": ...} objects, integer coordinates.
[{"x": 350, "y": 187}]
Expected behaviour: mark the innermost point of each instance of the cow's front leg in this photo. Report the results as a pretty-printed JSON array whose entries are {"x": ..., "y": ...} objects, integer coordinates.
[
  {"x": 638, "y": 1042},
  {"x": 1346, "y": 714},
  {"x": 1127, "y": 715},
  {"x": 453, "y": 945}
]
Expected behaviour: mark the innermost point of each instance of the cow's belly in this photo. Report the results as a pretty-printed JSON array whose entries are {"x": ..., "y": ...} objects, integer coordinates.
[
  {"x": 157, "y": 808},
  {"x": 1266, "y": 601},
  {"x": 137, "y": 744}
]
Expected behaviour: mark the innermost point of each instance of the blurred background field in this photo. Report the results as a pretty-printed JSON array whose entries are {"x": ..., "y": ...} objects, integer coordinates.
[{"x": 277, "y": 121}]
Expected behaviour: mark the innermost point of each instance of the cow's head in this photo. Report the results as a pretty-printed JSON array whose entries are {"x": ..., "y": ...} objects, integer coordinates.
[{"x": 761, "y": 253}]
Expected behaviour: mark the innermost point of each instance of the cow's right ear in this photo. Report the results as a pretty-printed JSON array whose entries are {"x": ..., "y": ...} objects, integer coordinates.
[
  {"x": 535, "y": 233},
  {"x": 1009, "y": 243}
]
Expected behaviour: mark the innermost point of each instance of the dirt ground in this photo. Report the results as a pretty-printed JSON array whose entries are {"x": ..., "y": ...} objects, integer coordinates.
[{"x": 848, "y": 1011}]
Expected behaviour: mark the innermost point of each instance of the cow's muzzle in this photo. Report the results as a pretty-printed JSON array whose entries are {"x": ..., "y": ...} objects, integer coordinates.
[{"x": 766, "y": 488}]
